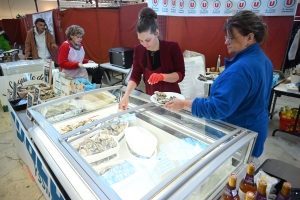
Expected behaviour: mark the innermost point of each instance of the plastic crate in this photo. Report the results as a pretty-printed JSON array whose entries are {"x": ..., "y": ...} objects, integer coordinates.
[{"x": 288, "y": 124}]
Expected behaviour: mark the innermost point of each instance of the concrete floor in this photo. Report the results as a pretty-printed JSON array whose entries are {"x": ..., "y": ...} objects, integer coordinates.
[{"x": 16, "y": 183}]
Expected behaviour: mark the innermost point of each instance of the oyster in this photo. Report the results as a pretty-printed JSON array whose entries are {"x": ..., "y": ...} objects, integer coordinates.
[
  {"x": 94, "y": 145},
  {"x": 76, "y": 125},
  {"x": 202, "y": 78},
  {"x": 47, "y": 94},
  {"x": 162, "y": 97},
  {"x": 66, "y": 129},
  {"x": 114, "y": 129}
]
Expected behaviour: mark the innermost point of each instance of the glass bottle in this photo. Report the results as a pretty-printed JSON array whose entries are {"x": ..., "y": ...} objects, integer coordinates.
[
  {"x": 250, "y": 196},
  {"x": 247, "y": 183},
  {"x": 261, "y": 190},
  {"x": 218, "y": 63},
  {"x": 285, "y": 193},
  {"x": 229, "y": 192}
]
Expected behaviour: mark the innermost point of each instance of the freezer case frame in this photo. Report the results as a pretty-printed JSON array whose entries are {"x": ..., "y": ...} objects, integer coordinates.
[{"x": 179, "y": 184}]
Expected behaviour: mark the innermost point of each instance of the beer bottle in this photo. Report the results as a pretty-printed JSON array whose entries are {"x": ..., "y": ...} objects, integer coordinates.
[
  {"x": 285, "y": 193},
  {"x": 250, "y": 195},
  {"x": 261, "y": 190},
  {"x": 247, "y": 184},
  {"x": 229, "y": 192}
]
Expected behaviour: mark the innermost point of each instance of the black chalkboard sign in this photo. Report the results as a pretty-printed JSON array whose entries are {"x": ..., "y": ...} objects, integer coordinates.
[
  {"x": 48, "y": 71},
  {"x": 36, "y": 95},
  {"x": 29, "y": 104},
  {"x": 14, "y": 91}
]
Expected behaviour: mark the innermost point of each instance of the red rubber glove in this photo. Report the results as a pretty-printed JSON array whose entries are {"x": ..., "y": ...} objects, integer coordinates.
[{"x": 155, "y": 78}]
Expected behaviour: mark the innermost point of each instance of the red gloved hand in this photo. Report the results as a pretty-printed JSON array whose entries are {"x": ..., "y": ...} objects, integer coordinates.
[{"x": 155, "y": 78}]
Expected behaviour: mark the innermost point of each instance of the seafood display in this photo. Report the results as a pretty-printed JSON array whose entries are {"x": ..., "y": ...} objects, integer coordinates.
[
  {"x": 47, "y": 94},
  {"x": 61, "y": 111},
  {"x": 115, "y": 129},
  {"x": 162, "y": 98},
  {"x": 118, "y": 172},
  {"x": 95, "y": 145},
  {"x": 70, "y": 127},
  {"x": 31, "y": 87},
  {"x": 207, "y": 77}
]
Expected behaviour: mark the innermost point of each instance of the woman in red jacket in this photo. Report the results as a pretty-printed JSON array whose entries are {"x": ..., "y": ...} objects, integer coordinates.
[{"x": 159, "y": 61}]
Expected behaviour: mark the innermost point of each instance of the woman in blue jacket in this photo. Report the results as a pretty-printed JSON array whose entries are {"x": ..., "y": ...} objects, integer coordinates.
[{"x": 240, "y": 95}]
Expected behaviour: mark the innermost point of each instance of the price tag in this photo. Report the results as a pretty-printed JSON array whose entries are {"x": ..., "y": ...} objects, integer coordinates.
[
  {"x": 14, "y": 91},
  {"x": 29, "y": 104},
  {"x": 37, "y": 92},
  {"x": 48, "y": 71}
]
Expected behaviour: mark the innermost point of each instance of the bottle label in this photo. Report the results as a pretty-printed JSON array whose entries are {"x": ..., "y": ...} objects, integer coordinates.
[
  {"x": 242, "y": 195},
  {"x": 281, "y": 197},
  {"x": 261, "y": 197},
  {"x": 230, "y": 192},
  {"x": 249, "y": 179}
]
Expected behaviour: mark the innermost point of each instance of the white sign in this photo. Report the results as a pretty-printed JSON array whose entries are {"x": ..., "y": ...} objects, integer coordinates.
[
  {"x": 205, "y": 8},
  {"x": 31, "y": 156},
  {"x": 20, "y": 79},
  {"x": 47, "y": 16}
]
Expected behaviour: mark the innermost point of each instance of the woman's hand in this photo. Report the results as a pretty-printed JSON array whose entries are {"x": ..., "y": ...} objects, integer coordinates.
[
  {"x": 80, "y": 65},
  {"x": 155, "y": 78},
  {"x": 175, "y": 105},
  {"x": 123, "y": 104}
]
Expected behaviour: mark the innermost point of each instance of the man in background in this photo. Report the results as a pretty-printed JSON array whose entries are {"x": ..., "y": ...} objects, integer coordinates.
[{"x": 39, "y": 41}]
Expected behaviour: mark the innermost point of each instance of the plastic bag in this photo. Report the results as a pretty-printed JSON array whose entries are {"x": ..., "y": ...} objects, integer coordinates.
[
  {"x": 88, "y": 85},
  {"x": 271, "y": 182},
  {"x": 194, "y": 65}
]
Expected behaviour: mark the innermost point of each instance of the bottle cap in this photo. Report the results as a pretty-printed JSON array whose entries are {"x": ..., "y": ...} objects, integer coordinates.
[
  {"x": 250, "y": 195},
  {"x": 232, "y": 180},
  {"x": 286, "y": 189},
  {"x": 250, "y": 169},
  {"x": 262, "y": 186}
]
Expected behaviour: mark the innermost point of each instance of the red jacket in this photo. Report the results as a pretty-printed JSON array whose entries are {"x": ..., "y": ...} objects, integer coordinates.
[
  {"x": 171, "y": 59},
  {"x": 63, "y": 54}
]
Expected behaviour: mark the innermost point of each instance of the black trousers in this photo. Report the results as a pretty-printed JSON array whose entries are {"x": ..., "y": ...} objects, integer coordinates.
[{"x": 97, "y": 74}]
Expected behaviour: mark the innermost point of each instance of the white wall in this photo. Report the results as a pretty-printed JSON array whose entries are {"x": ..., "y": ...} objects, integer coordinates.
[
  {"x": 9, "y": 9},
  {"x": 23, "y": 7}
]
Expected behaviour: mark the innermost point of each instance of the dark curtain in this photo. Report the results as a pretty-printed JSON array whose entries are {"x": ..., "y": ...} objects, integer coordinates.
[
  {"x": 128, "y": 18},
  {"x": 101, "y": 28}
]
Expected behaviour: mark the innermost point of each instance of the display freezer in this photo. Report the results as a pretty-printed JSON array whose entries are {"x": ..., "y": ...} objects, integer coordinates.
[{"x": 97, "y": 151}]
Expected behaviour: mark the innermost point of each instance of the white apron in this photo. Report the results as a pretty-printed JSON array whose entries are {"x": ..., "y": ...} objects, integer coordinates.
[{"x": 76, "y": 56}]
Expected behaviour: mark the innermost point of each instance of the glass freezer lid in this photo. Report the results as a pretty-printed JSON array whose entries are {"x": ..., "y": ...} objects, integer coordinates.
[
  {"x": 131, "y": 151},
  {"x": 139, "y": 149}
]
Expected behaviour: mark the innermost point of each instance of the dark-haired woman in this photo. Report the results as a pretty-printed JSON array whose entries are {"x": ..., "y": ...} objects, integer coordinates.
[
  {"x": 240, "y": 95},
  {"x": 159, "y": 61}
]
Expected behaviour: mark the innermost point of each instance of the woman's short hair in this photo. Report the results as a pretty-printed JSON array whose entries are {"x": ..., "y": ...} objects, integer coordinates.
[
  {"x": 147, "y": 21},
  {"x": 246, "y": 22},
  {"x": 74, "y": 30}
]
